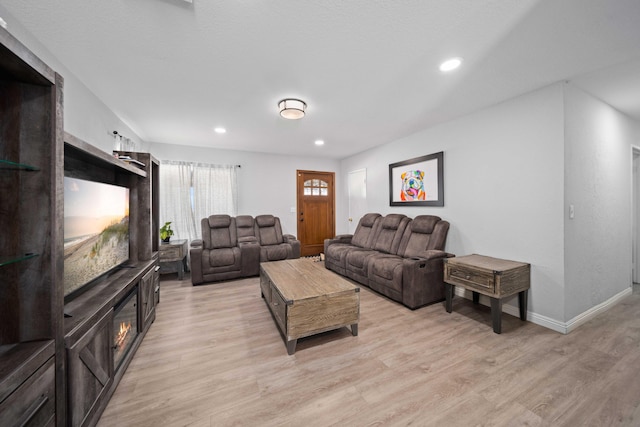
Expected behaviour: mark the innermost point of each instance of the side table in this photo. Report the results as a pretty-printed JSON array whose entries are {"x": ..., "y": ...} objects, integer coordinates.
[
  {"x": 173, "y": 257},
  {"x": 497, "y": 278}
]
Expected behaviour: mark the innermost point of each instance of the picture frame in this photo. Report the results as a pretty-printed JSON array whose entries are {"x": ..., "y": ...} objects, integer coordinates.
[{"x": 418, "y": 181}]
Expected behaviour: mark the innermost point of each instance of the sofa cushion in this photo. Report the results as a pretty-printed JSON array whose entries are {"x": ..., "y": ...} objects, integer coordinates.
[
  {"x": 224, "y": 257},
  {"x": 265, "y": 220},
  {"x": 389, "y": 235},
  {"x": 268, "y": 230},
  {"x": 244, "y": 225},
  {"x": 219, "y": 221},
  {"x": 365, "y": 231},
  {"x": 219, "y": 231},
  {"x": 386, "y": 271},
  {"x": 275, "y": 252},
  {"x": 424, "y": 223}
]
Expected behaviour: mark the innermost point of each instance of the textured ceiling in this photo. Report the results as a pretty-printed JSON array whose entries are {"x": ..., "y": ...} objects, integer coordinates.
[{"x": 367, "y": 69}]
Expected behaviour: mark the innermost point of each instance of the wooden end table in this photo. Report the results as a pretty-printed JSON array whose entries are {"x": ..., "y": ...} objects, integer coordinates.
[
  {"x": 173, "y": 257},
  {"x": 494, "y": 277}
]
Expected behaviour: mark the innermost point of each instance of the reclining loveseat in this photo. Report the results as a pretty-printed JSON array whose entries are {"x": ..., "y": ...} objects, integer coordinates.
[
  {"x": 398, "y": 257},
  {"x": 233, "y": 247}
]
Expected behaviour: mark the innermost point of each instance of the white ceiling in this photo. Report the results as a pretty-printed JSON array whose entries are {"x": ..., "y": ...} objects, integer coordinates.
[{"x": 368, "y": 69}]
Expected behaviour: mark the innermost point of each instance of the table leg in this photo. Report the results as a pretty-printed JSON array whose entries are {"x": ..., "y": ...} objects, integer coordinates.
[
  {"x": 496, "y": 314},
  {"x": 291, "y": 346},
  {"x": 180, "y": 270},
  {"x": 522, "y": 302},
  {"x": 448, "y": 294},
  {"x": 354, "y": 329},
  {"x": 476, "y": 297}
]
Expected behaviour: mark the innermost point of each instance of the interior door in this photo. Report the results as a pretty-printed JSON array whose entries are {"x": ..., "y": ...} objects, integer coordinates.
[
  {"x": 316, "y": 210},
  {"x": 357, "y": 197}
]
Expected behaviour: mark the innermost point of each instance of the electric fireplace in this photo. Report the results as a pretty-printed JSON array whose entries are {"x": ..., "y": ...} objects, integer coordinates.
[{"x": 125, "y": 327}]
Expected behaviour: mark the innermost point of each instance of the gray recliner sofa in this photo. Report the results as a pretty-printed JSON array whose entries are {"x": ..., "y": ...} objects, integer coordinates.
[
  {"x": 233, "y": 247},
  {"x": 398, "y": 257}
]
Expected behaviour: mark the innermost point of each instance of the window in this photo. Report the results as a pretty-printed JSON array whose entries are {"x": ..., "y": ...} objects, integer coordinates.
[
  {"x": 316, "y": 187},
  {"x": 192, "y": 191}
]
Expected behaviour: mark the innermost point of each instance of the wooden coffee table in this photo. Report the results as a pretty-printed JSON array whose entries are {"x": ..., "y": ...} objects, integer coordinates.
[{"x": 306, "y": 299}]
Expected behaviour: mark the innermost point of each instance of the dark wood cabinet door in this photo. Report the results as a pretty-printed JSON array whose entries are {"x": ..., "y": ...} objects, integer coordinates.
[
  {"x": 148, "y": 298},
  {"x": 90, "y": 363}
]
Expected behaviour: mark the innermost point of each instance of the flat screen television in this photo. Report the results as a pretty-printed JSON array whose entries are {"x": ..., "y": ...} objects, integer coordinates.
[{"x": 96, "y": 232}]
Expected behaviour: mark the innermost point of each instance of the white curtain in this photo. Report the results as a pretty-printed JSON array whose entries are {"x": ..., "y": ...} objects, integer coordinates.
[
  {"x": 215, "y": 190},
  {"x": 192, "y": 191},
  {"x": 175, "y": 199}
]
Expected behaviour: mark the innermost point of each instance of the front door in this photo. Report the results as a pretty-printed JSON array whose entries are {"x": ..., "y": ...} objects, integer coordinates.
[{"x": 316, "y": 213}]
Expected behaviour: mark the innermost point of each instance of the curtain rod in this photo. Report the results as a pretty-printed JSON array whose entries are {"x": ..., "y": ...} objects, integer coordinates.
[{"x": 182, "y": 162}]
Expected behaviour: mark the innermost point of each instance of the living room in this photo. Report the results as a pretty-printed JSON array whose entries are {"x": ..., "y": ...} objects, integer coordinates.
[{"x": 513, "y": 170}]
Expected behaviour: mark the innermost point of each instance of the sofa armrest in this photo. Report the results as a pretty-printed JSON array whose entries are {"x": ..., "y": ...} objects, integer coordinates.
[
  {"x": 423, "y": 278},
  {"x": 295, "y": 245},
  {"x": 340, "y": 238},
  {"x": 433, "y": 254},
  {"x": 195, "y": 255},
  {"x": 197, "y": 243}
]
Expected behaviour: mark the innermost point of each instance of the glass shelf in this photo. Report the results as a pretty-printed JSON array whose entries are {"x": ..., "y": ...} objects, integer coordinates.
[
  {"x": 11, "y": 260},
  {"x": 9, "y": 165}
]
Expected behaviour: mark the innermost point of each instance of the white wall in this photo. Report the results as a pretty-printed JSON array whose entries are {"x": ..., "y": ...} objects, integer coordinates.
[
  {"x": 503, "y": 184},
  {"x": 267, "y": 182},
  {"x": 598, "y": 179},
  {"x": 85, "y": 116}
]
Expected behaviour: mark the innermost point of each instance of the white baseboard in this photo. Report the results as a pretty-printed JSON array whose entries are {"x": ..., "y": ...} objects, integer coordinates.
[{"x": 547, "y": 322}]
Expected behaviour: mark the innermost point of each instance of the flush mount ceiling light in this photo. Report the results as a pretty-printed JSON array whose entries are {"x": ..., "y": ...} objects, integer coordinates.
[
  {"x": 219, "y": 130},
  {"x": 292, "y": 108},
  {"x": 319, "y": 142},
  {"x": 450, "y": 64}
]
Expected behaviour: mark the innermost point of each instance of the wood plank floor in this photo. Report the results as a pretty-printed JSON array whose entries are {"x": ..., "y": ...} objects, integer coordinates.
[{"x": 214, "y": 357}]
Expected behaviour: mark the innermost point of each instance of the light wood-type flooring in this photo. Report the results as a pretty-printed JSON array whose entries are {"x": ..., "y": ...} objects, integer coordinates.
[{"x": 214, "y": 357}]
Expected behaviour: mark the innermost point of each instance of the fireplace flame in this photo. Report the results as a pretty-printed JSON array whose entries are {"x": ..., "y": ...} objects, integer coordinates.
[{"x": 122, "y": 334}]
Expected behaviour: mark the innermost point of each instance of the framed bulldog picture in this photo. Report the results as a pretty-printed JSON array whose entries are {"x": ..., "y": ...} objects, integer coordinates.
[{"x": 417, "y": 182}]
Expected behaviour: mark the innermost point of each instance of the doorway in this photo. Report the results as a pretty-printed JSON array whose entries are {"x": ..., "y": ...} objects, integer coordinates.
[
  {"x": 316, "y": 210},
  {"x": 357, "y": 197},
  {"x": 635, "y": 211}
]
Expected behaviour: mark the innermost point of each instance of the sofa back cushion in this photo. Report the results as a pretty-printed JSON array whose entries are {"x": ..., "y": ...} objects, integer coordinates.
[
  {"x": 364, "y": 234},
  {"x": 268, "y": 230},
  {"x": 389, "y": 233},
  {"x": 219, "y": 231},
  {"x": 425, "y": 232},
  {"x": 245, "y": 226}
]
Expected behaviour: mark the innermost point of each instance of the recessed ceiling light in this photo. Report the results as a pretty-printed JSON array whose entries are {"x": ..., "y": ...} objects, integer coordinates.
[
  {"x": 319, "y": 142},
  {"x": 450, "y": 64},
  {"x": 220, "y": 130}
]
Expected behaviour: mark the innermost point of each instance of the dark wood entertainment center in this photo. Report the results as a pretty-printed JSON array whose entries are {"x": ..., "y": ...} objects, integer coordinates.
[{"x": 57, "y": 362}]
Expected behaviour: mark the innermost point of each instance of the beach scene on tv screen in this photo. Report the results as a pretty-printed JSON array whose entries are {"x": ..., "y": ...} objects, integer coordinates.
[{"x": 96, "y": 230}]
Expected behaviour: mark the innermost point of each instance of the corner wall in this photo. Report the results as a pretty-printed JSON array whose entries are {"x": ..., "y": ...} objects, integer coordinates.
[
  {"x": 85, "y": 116},
  {"x": 503, "y": 184},
  {"x": 598, "y": 175}
]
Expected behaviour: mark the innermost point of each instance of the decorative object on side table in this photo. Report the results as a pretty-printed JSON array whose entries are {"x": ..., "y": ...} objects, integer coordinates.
[
  {"x": 166, "y": 232},
  {"x": 493, "y": 277}
]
